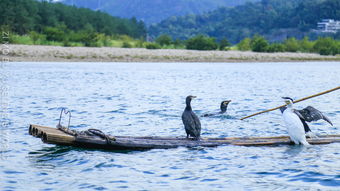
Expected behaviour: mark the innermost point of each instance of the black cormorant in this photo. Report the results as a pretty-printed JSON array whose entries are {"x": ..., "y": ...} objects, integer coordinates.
[
  {"x": 308, "y": 114},
  {"x": 190, "y": 120},
  {"x": 223, "y": 107}
]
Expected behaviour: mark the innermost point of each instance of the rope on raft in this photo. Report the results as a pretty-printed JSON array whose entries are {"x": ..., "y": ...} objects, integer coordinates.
[{"x": 89, "y": 132}]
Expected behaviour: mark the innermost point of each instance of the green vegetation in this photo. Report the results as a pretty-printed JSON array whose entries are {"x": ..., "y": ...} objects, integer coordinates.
[
  {"x": 164, "y": 40},
  {"x": 153, "y": 11},
  {"x": 323, "y": 45},
  {"x": 258, "y": 43},
  {"x": 244, "y": 45},
  {"x": 41, "y": 22},
  {"x": 224, "y": 44},
  {"x": 327, "y": 46},
  {"x": 274, "y": 19},
  {"x": 201, "y": 42},
  {"x": 151, "y": 45}
]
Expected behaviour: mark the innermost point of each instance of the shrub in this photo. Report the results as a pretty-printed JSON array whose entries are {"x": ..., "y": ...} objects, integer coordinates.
[
  {"x": 140, "y": 43},
  {"x": 276, "y": 47},
  {"x": 201, "y": 42},
  {"x": 244, "y": 45},
  {"x": 326, "y": 46},
  {"x": 163, "y": 40},
  {"x": 90, "y": 39},
  {"x": 259, "y": 44},
  {"x": 151, "y": 45},
  {"x": 67, "y": 43},
  {"x": 305, "y": 45},
  {"x": 126, "y": 45},
  {"x": 178, "y": 43},
  {"x": 291, "y": 44},
  {"x": 224, "y": 44},
  {"x": 54, "y": 34},
  {"x": 36, "y": 37}
]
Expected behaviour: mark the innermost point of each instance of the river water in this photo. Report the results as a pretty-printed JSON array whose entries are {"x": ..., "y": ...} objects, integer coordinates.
[{"x": 147, "y": 99}]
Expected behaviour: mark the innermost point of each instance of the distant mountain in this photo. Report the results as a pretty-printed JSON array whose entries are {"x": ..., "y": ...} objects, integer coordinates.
[
  {"x": 275, "y": 19},
  {"x": 153, "y": 11}
]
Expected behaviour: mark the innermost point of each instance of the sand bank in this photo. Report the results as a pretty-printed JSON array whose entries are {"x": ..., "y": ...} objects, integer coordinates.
[{"x": 35, "y": 53}]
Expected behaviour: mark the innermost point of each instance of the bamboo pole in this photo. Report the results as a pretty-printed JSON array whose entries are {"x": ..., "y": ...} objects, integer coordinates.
[{"x": 296, "y": 101}]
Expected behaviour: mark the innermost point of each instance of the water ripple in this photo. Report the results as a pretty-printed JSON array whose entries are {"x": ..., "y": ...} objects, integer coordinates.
[{"x": 146, "y": 99}]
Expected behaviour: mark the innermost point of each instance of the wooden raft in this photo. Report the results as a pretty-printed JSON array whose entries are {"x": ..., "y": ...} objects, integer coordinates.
[{"x": 55, "y": 136}]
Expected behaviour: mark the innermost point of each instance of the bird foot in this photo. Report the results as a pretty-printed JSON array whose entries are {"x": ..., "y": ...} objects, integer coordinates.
[{"x": 311, "y": 135}]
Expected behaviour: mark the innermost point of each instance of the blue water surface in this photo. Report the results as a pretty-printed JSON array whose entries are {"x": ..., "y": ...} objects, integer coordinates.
[{"x": 147, "y": 99}]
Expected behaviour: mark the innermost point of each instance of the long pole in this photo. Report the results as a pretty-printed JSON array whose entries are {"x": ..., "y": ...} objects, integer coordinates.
[{"x": 296, "y": 101}]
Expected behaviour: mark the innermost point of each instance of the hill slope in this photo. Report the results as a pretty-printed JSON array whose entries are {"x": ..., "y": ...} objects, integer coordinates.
[
  {"x": 24, "y": 16},
  {"x": 153, "y": 11},
  {"x": 276, "y": 19}
]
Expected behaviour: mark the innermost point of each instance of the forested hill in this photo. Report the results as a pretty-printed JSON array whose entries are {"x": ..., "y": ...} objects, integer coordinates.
[
  {"x": 56, "y": 19},
  {"x": 153, "y": 11},
  {"x": 275, "y": 19}
]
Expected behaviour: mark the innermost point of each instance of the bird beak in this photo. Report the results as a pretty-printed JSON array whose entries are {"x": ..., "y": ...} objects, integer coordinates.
[
  {"x": 226, "y": 102},
  {"x": 193, "y": 96}
]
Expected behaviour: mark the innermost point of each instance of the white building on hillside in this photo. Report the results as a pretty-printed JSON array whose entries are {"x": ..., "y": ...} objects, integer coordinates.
[{"x": 329, "y": 25}]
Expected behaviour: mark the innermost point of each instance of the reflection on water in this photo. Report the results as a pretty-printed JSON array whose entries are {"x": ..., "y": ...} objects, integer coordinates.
[{"x": 147, "y": 99}]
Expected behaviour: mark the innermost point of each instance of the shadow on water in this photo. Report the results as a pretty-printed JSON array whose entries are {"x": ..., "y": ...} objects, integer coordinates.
[
  {"x": 62, "y": 156},
  {"x": 295, "y": 150},
  {"x": 43, "y": 158},
  {"x": 59, "y": 150}
]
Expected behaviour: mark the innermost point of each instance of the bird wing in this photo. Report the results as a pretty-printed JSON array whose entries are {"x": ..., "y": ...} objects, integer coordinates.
[
  {"x": 197, "y": 123},
  {"x": 190, "y": 123},
  {"x": 311, "y": 114}
]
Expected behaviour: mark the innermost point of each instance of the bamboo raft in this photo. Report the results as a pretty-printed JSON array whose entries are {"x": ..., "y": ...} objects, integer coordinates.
[{"x": 55, "y": 136}]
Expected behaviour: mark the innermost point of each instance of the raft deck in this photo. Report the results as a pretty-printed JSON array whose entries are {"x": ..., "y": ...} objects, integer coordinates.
[{"x": 55, "y": 136}]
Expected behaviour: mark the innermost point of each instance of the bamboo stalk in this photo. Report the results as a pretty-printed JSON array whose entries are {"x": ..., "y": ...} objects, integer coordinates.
[
  {"x": 55, "y": 136},
  {"x": 58, "y": 138},
  {"x": 296, "y": 101}
]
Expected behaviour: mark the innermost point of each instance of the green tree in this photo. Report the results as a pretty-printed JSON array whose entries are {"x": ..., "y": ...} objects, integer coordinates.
[
  {"x": 201, "y": 42},
  {"x": 259, "y": 44},
  {"x": 224, "y": 44},
  {"x": 276, "y": 47},
  {"x": 306, "y": 45},
  {"x": 43, "y": 16},
  {"x": 327, "y": 46},
  {"x": 151, "y": 45},
  {"x": 292, "y": 45},
  {"x": 54, "y": 34},
  {"x": 37, "y": 37},
  {"x": 244, "y": 45},
  {"x": 126, "y": 45},
  {"x": 163, "y": 40}
]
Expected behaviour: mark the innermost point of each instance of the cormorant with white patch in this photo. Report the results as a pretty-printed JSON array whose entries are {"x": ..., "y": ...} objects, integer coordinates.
[
  {"x": 295, "y": 120},
  {"x": 308, "y": 114},
  {"x": 223, "y": 107},
  {"x": 293, "y": 123},
  {"x": 190, "y": 120}
]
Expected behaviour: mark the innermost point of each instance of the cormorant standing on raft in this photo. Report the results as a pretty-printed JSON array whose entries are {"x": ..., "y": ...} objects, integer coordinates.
[
  {"x": 295, "y": 121},
  {"x": 223, "y": 107},
  {"x": 190, "y": 120}
]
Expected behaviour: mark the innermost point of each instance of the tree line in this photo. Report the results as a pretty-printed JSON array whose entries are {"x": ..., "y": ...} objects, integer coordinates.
[
  {"x": 44, "y": 20},
  {"x": 257, "y": 43}
]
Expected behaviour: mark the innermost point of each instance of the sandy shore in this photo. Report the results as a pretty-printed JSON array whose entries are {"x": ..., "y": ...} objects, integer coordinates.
[{"x": 29, "y": 53}]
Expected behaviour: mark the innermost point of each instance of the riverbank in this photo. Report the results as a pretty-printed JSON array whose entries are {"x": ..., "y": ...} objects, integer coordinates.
[{"x": 37, "y": 53}]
